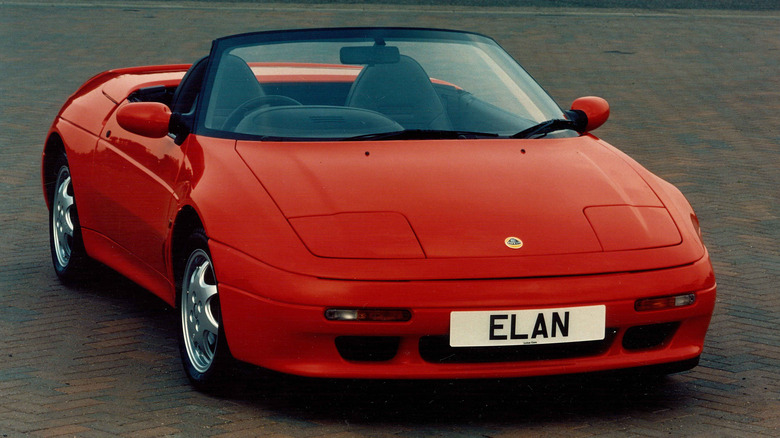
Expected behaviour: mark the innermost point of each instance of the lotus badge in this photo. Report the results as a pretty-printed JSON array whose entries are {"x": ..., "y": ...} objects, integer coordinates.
[{"x": 513, "y": 242}]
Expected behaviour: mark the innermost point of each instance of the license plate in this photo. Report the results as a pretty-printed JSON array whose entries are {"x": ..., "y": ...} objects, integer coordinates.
[{"x": 527, "y": 327}]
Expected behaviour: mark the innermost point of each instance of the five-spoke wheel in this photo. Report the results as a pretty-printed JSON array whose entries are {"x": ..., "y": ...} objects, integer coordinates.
[
  {"x": 199, "y": 324},
  {"x": 62, "y": 218},
  {"x": 67, "y": 250},
  {"x": 202, "y": 343}
]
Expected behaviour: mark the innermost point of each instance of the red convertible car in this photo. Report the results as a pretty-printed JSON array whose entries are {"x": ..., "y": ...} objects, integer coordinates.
[{"x": 376, "y": 203}]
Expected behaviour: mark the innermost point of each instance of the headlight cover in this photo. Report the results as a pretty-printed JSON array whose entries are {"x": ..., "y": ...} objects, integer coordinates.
[
  {"x": 625, "y": 227},
  {"x": 361, "y": 235}
]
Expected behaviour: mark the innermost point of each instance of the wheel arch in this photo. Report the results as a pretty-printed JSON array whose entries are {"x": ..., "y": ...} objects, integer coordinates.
[
  {"x": 53, "y": 149},
  {"x": 187, "y": 221}
]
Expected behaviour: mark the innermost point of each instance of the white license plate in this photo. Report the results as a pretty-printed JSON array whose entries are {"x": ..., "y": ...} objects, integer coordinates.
[{"x": 527, "y": 327}]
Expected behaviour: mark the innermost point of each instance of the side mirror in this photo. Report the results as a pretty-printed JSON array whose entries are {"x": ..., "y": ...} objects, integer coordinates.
[
  {"x": 595, "y": 109},
  {"x": 149, "y": 119}
]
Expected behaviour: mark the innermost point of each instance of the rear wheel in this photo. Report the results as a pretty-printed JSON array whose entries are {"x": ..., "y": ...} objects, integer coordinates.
[
  {"x": 202, "y": 343},
  {"x": 67, "y": 248}
]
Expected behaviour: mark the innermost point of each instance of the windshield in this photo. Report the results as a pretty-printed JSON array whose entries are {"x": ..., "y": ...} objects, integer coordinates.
[{"x": 355, "y": 83}]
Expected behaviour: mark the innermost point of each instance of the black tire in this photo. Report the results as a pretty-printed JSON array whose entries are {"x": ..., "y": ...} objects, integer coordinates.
[
  {"x": 204, "y": 351},
  {"x": 67, "y": 247}
]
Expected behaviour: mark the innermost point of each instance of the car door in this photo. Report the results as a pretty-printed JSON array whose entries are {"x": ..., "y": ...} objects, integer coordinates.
[{"x": 137, "y": 179}]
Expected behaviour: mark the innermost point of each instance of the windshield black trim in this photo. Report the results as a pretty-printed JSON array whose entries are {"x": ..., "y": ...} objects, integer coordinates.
[{"x": 368, "y": 33}]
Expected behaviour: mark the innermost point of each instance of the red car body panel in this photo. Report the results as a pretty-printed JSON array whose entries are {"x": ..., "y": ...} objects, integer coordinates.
[
  {"x": 284, "y": 323},
  {"x": 122, "y": 172},
  {"x": 387, "y": 225},
  {"x": 281, "y": 72},
  {"x": 535, "y": 190}
]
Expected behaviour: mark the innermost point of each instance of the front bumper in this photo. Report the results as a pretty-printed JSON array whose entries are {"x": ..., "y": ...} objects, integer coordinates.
[{"x": 276, "y": 319}]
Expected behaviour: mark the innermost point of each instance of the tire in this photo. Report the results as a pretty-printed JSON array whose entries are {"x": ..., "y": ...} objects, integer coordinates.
[
  {"x": 67, "y": 247},
  {"x": 202, "y": 344}
]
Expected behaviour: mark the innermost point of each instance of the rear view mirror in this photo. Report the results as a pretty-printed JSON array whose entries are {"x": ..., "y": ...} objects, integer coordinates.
[
  {"x": 370, "y": 55},
  {"x": 149, "y": 119}
]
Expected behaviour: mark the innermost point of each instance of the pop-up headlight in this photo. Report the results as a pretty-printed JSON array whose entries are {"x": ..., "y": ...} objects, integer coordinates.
[{"x": 366, "y": 235}]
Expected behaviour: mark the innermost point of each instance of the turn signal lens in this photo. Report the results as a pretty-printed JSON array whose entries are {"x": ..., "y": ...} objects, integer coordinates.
[
  {"x": 664, "y": 302},
  {"x": 380, "y": 315}
]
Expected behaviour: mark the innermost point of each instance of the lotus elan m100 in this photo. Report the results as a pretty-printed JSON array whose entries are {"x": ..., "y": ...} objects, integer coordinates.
[{"x": 376, "y": 203}]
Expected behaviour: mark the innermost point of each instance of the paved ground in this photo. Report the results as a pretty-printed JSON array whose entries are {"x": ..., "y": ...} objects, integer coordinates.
[{"x": 695, "y": 96}]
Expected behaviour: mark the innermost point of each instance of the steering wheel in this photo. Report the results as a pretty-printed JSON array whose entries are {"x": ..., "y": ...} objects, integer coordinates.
[{"x": 250, "y": 105}]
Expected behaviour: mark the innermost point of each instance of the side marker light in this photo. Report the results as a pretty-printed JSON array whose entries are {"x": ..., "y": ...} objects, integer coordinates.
[
  {"x": 376, "y": 315},
  {"x": 663, "y": 303}
]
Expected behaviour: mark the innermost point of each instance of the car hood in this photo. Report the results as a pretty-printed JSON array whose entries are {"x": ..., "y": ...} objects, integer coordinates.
[{"x": 460, "y": 198}]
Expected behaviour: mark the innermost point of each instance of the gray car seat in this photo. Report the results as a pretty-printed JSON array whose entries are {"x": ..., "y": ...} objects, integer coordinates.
[
  {"x": 401, "y": 91},
  {"x": 234, "y": 85}
]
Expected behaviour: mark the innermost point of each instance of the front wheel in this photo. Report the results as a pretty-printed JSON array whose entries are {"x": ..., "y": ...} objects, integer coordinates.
[
  {"x": 67, "y": 248},
  {"x": 202, "y": 343}
]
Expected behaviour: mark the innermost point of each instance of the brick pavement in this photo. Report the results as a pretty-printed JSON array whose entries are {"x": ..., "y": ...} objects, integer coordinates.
[{"x": 694, "y": 98}]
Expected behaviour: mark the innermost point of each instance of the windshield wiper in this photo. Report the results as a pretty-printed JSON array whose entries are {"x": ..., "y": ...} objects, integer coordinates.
[
  {"x": 544, "y": 128},
  {"x": 421, "y": 134}
]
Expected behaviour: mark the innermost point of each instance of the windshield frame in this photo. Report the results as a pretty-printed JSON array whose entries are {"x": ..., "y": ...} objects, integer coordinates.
[{"x": 222, "y": 46}]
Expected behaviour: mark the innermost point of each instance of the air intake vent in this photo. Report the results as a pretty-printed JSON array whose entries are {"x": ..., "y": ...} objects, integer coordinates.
[
  {"x": 644, "y": 337},
  {"x": 367, "y": 348}
]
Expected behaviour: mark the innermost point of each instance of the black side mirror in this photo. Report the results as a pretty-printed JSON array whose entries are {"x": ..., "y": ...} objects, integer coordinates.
[{"x": 180, "y": 126}]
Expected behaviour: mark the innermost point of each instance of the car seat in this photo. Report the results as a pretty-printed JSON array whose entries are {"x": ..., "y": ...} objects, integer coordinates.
[
  {"x": 234, "y": 85},
  {"x": 401, "y": 91}
]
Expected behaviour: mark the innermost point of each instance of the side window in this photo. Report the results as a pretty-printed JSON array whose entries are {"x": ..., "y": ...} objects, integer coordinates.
[{"x": 187, "y": 92}]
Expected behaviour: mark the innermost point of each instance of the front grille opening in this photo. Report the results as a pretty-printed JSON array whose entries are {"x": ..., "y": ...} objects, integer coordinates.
[
  {"x": 367, "y": 348},
  {"x": 436, "y": 349},
  {"x": 644, "y": 337}
]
